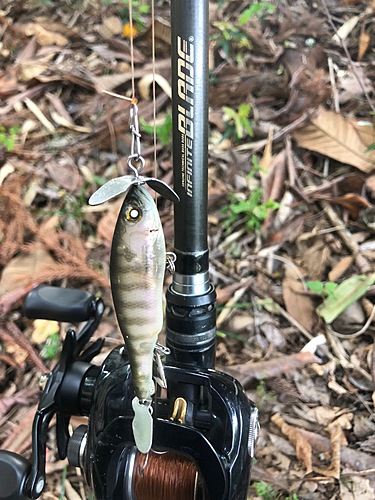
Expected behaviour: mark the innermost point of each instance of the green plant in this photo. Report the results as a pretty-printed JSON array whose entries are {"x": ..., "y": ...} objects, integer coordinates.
[
  {"x": 8, "y": 137},
  {"x": 254, "y": 9},
  {"x": 267, "y": 492},
  {"x": 163, "y": 132},
  {"x": 237, "y": 123},
  {"x": 253, "y": 211},
  {"x": 324, "y": 289},
  {"x": 51, "y": 347},
  {"x": 229, "y": 35},
  {"x": 264, "y": 490},
  {"x": 139, "y": 9}
]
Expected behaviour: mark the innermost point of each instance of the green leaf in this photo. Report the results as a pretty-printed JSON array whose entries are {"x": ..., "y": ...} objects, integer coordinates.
[
  {"x": 239, "y": 127},
  {"x": 260, "y": 212},
  {"x": 240, "y": 207},
  {"x": 272, "y": 205},
  {"x": 244, "y": 110},
  {"x": 329, "y": 286},
  {"x": 255, "y": 8},
  {"x": 345, "y": 294},
  {"x": 230, "y": 112},
  {"x": 51, "y": 347},
  {"x": 370, "y": 148},
  {"x": 247, "y": 126},
  {"x": 315, "y": 286}
]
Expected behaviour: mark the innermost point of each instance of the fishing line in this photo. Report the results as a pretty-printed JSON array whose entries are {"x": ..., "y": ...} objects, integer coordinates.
[
  {"x": 153, "y": 84},
  {"x": 131, "y": 46}
]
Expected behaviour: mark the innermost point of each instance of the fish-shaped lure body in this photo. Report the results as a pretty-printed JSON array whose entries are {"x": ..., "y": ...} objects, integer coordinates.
[{"x": 137, "y": 267}]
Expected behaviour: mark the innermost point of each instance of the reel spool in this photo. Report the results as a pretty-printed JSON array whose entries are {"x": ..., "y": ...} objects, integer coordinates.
[{"x": 165, "y": 476}]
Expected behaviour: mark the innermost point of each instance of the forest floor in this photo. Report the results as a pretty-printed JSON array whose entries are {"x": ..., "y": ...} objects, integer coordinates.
[{"x": 291, "y": 213}]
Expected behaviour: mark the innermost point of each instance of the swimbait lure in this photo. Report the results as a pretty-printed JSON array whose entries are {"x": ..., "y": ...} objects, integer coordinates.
[{"x": 137, "y": 267}]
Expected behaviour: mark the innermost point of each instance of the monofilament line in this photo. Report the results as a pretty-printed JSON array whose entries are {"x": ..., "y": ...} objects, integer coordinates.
[{"x": 153, "y": 84}]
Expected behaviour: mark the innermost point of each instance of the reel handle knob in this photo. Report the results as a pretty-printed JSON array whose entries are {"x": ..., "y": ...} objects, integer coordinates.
[{"x": 14, "y": 472}]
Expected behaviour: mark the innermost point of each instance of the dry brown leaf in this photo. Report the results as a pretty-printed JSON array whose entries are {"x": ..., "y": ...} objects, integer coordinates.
[
  {"x": 365, "y": 130},
  {"x": 9, "y": 82},
  {"x": 332, "y": 135},
  {"x": 364, "y": 40},
  {"x": 111, "y": 26},
  {"x": 44, "y": 36},
  {"x": 303, "y": 447},
  {"x": 247, "y": 372},
  {"x": 267, "y": 155},
  {"x": 357, "y": 487},
  {"x": 338, "y": 439},
  {"x": 340, "y": 268},
  {"x": 162, "y": 31},
  {"x": 145, "y": 82},
  {"x": 352, "y": 201},
  {"x": 106, "y": 225},
  {"x": 65, "y": 173},
  {"x": 315, "y": 258},
  {"x": 344, "y": 31},
  {"x": 299, "y": 306},
  {"x": 43, "y": 329},
  {"x": 23, "y": 264}
]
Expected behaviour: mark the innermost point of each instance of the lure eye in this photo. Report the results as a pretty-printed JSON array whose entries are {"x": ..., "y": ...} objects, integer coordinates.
[{"x": 133, "y": 214}]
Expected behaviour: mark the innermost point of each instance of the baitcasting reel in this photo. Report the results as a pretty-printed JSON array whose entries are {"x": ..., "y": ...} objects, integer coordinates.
[{"x": 205, "y": 428}]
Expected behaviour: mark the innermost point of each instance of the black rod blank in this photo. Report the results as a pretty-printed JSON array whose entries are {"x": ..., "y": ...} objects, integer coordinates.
[{"x": 189, "y": 21}]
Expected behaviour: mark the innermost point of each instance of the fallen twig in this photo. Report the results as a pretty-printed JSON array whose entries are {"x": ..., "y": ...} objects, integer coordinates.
[
  {"x": 272, "y": 368},
  {"x": 11, "y": 333},
  {"x": 343, "y": 45}
]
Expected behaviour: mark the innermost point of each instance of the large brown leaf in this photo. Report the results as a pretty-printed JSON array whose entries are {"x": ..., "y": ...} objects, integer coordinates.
[
  {"x": 299, "y": 306},
  {"x": 332, "y": 135}
]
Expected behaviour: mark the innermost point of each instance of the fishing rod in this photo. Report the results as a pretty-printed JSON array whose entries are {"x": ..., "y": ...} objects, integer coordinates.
[{"x": 195, "y": 438}]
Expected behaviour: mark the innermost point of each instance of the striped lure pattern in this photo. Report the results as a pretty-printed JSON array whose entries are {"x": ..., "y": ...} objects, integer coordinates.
[{"x": 137, "y": 269}]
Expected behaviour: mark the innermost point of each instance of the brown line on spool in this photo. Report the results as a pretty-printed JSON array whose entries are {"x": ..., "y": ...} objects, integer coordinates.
[{"x": 166, "y": 477}]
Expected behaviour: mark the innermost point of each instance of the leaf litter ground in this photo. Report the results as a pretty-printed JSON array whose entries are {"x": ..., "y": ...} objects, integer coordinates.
[{"x": 291, "y": 192}]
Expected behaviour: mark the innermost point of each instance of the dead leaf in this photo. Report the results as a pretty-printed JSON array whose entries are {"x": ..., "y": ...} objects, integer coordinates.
[
  {"x": 247, "y": 372},
  {"x": 340, "y": 268},
  {"x": 162, "y": 31},
  {"x": 43, "y": 329},
  {"x": 356, "y": 487},
  {"x": 9, "y": 82},
  {"x": 65, "y": 173},
  {"x": 344, "y": 31},
  {"x": 6, "y": 170},
  {"x": 111, "y": 26},
  {"x": 21, "y": 265},
  {"x": 333, "y": 135},
  {"x": 352, "y": 201},
  {"x": 106, "y": 225},
  {"x": 44, "y": 36},
  {"x": 303, "y": 447},
  {"x": 370, "y": 183},
  {"x": 145, "y": 82},
  {"x": 315, "y": 258},
  {"x": 364, "y": 40},
  {"x": 267, "y": 155},
  {"x": 299, "y": 306}
]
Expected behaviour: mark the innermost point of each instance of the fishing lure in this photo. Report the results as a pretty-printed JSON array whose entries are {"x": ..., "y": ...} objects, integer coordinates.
[{"x": 137, "y": 266}]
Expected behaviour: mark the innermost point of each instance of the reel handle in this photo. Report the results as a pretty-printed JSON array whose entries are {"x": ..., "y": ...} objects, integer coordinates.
[
  {"x": 59, "y": 304},
  {"x": 14, "y": 473}
]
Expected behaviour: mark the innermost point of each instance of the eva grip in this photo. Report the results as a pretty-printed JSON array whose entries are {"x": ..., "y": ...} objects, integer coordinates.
[{"x": 59, "y": 304}]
